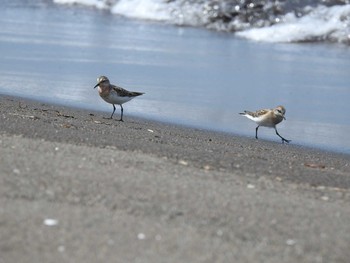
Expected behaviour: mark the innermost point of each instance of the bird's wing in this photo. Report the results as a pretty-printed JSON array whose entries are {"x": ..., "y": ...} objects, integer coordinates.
[
  {"x": 125, "y": 93},
  {"x": 260, "y": 112},
  {"x": 255, "y": 114}
]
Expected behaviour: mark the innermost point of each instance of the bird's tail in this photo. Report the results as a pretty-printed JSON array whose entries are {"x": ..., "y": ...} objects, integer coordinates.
[
  {"x": 243, "y": 113},
  {"x": 134, "y": 93}
]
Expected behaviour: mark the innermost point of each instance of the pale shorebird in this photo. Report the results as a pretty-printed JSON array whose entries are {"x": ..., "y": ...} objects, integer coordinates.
[
  {"x": 267, "y": 118},
  {"x": 114, "y": 94}
]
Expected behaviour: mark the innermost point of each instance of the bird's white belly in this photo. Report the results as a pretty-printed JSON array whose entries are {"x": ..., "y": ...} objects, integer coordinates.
[
  {"x": 263, "y": 121},
  {"x": 113, "y": 98}
]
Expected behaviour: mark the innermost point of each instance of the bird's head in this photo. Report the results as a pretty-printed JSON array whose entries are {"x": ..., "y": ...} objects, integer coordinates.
[
  {"x": 103, "y": 80},
  {"x": 280, "y": 111}
]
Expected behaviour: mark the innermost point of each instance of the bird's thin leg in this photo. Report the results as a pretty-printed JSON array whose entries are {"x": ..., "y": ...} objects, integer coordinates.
[
  {"x": 113, "y": 111},
  {"x": 283, "y": 139},
  {"x": 256, "y": 132},
  {"x": 121, "y": 112}
]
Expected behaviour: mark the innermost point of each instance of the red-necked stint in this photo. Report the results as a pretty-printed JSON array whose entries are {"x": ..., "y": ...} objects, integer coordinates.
[
  {"x": 114, "y": 94},
  {"x": 267, "y": 118}
]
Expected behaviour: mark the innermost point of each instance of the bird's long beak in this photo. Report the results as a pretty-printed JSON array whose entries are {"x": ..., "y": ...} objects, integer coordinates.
[
  {"x": 284, "y": 118},
  {"x": 96, "y": 85}
]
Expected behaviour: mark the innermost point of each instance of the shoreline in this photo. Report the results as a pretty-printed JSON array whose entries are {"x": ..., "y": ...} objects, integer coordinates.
[
  {"x": 172, "y": 141},
  {"x": 306, "y": 146},
  {"x": 142, "y": 190}
]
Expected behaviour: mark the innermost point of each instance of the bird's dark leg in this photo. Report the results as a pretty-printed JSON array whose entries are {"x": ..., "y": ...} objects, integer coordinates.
[
  {"x": 256, "y": 132},
  {"x": 283, "y": 139},
  {"x": 121, "y": 112},
  {"x": 112, "y": 112}
]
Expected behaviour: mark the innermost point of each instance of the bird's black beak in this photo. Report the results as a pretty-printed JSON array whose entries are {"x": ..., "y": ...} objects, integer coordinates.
[
  {"x": 284, "y": 118},
  {"x": 96, "y": 85}
]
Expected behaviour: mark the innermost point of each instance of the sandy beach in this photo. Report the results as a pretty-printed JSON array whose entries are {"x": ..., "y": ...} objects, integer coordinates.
[{"x": 76, "y": 187}]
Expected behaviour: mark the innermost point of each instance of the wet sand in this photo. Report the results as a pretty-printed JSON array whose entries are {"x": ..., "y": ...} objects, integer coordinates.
[{"x": 142, "y": 191}]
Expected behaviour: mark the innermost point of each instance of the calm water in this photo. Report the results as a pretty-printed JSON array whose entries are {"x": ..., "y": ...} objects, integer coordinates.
[{"x": 190, "y": 76}]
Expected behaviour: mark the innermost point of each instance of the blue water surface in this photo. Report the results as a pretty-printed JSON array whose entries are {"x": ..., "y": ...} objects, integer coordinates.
[{"x": 193, "y": 77}]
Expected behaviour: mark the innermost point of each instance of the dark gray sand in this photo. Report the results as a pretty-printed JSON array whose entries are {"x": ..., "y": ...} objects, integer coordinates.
[{"x": 75, "y": 187}]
